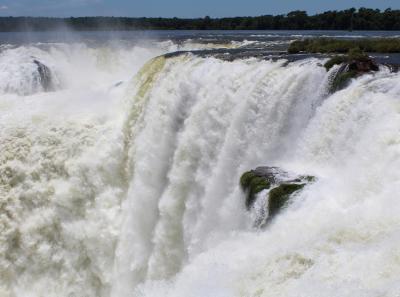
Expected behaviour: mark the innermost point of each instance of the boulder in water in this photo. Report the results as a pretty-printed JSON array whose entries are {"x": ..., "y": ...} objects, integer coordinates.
[
  {"x": 281, "y": 185},
  {"x": 253, "y": 182},
  {"x": 45, "y": 76},
  {"x": 363, "y": 65},
  {"x": 354, "y": 64},
  {"x": 280, "y": 195},
  {"x": 26, "y": 76}
]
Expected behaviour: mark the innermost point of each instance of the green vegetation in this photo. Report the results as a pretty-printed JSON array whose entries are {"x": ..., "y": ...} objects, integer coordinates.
[
  {"x": 246, "y": 179},
  {"x": 280, "y": 195},
  {"x": 342, "y": 79},
  {"x": 253, "y": 184},
  {"x": 282, "y": 186},
  {"x": 350, "y": 19},
  {"x": 354, "y": 54},
  {"x": 336, "y": 60},
  {"x": 328, "y": 45},
  {"x": 357, "y": 63}
]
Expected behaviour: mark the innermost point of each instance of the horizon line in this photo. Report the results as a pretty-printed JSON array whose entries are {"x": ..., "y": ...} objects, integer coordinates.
[{"x": 199, "y": 17}]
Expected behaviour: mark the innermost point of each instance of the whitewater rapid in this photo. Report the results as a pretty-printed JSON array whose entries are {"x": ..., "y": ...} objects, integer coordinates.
[{"x": 116, "y": 184}]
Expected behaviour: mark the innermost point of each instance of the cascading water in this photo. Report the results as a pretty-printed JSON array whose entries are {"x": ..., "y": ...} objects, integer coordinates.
[
  {"x": 103, "y": 194},
  {"x": 194, "y": 142}
]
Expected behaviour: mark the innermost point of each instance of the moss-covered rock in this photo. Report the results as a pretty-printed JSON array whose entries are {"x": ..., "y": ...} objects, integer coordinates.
[
  {"x": 253, "y": 184},
  {"x": 279, "y": 196},
  {"x": 246, "y": 178},
  {"x": 336, "y": 60},
  {"x": 282, "y": 184},
  {"x": 354, "y": 64},
  {"x": 341, "y": 80}
]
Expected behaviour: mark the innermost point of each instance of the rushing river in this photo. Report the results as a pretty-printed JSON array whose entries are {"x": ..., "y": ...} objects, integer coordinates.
[{"x": 120, "y": 167}]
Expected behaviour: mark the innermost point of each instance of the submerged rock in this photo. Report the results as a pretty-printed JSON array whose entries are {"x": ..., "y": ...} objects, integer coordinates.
[{"x": 281, "y": 185}]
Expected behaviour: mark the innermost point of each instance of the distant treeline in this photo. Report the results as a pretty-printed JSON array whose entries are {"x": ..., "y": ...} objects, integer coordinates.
[
  {"x": 329, "y": 45},
  {"x": 350, "y": 19}
]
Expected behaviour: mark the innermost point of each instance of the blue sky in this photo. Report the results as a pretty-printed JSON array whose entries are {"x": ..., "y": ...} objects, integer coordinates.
[{"x": 179, "y": 8}]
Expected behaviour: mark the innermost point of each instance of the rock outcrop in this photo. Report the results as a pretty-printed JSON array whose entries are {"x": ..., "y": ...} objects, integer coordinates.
[
  {"x": 354, "y": 64},
  {"x": 280, "y": 185},
  {"x": 45, "y": 76}
]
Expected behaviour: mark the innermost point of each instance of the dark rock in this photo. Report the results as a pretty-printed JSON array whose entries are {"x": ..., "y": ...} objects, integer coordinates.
[
  {"x": 45, "y": 76},
  {"x": 279, "y": 196},
  {"x": 353, "y": 65},
  {"x": 336, "y": 60},
  {"x": 282, "y": 186},
  {"x": 253, "y": 182},
  {"x": 392, "y": 67},
  {"x": 363, "y": 66}
]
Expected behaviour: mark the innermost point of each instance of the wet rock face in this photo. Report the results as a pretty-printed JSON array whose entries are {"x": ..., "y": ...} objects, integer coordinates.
[
  {"x": 351, "y": 67},
  {"x": 363, "y": 66},
  {"x": 280, "y": 187},
  {"x": 26, "y": 76},
  {"x": 45, "y": 76},
  {"x": 280, "y": 195}
]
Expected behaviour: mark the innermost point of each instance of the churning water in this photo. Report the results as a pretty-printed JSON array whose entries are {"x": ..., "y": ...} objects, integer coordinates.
[{"x": 120, "y": 168}]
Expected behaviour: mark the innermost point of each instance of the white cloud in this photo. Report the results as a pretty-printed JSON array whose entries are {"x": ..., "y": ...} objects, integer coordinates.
[{"x": 3, "y": 7}]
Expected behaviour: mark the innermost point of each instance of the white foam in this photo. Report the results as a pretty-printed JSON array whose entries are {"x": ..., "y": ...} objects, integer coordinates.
[{"x": 132, "y": 190}]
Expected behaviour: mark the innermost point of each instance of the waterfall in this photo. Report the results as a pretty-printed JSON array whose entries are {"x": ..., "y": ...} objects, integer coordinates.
[{"x": 133, "y": 189}]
